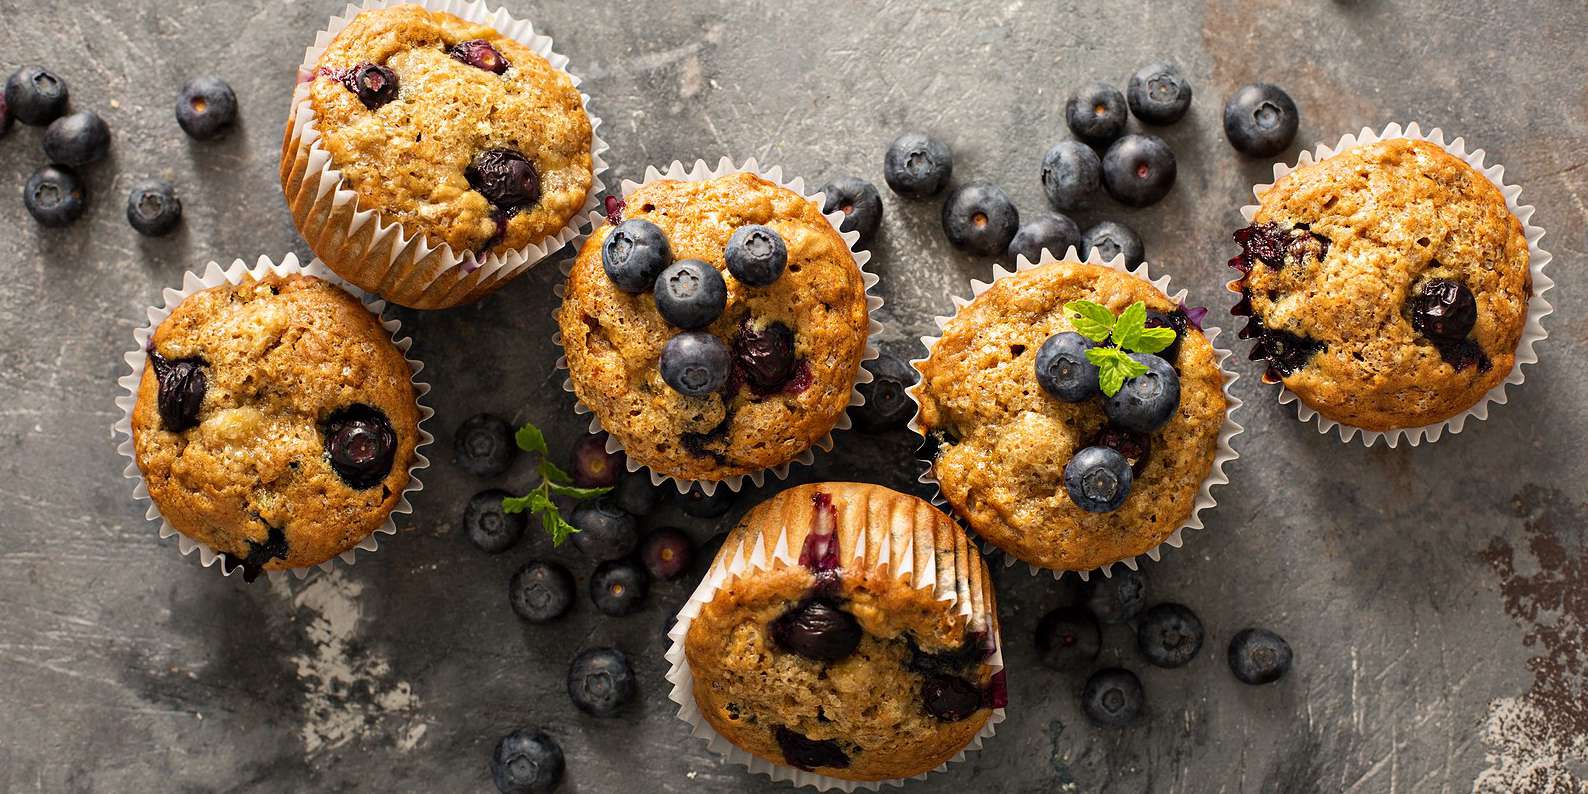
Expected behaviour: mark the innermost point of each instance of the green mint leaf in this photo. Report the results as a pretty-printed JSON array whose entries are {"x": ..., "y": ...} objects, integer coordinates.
[
  {"x": 1132, "y": 321},
  {"x": 555, "y": 526},
  {"x": 530, "y": 439},
  {"x": 518, "y": 504},
  {"x": 1091, "y": 320},
  {"x": 1114, "y": 367},
  {"x": 574, "y": 492},
  {"x": 549, "y": 472},
  {"x": 1152, "y": 340}
]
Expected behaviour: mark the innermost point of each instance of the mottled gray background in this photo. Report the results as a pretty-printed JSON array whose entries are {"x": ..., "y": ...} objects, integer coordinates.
[{"x": 1435, "y": 596}]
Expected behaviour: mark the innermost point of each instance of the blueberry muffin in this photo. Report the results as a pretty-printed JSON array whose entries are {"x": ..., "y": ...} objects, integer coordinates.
[
  {"x": 718, "y": 329},
  {"x": 831, "y": 659},
  {"x": 275, "y": 422},
  {"x": 1026, "y": 443},
  {"x": 1386, "y": 286}
]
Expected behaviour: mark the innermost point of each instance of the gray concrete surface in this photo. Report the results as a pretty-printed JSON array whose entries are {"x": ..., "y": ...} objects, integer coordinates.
[{"x": 1437, "y": 598}]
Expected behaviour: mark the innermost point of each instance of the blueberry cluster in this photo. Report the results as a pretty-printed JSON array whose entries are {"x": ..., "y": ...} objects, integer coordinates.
[{"x": 1276, "y": 246}]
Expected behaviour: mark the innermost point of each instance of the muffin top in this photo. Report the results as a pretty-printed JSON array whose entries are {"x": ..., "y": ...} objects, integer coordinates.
[
  {"x": 832, "y": 661},
  {"x": 795, "y": 343},
  {"x": 452, "y": 129},
  {"x": 275, "y": 421},
  {"x": 1387, "y": 284},
  {"x": 1003, "y": 442}
]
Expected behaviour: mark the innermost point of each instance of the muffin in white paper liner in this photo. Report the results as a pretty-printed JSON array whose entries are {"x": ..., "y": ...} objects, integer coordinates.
[
  {"x": 235, "y": 273},
  {"x": 1537, "y": 306},
  {"x": 1221, "y": 457},
  {"x": 739, "y": 559},
  {"x": 701, "y": 172},
  {"x": 378, "y": 255}
]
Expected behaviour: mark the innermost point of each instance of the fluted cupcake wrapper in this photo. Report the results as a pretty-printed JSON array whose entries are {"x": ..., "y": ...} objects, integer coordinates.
[
  {"x": 700, "y": 172},
  {"x": 213, "y": 276},
  {"x": 380, "y": 255},
  {"x": 967, "y": 587},
  {"x": 1221, "y": 457},
  {"x": 1537, "y": 306}
]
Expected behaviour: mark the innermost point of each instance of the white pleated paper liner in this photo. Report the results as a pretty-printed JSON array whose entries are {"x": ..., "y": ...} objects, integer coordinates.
[
  {"x": 701, "y": 172},
  {"x": 1221, "y": 457},
  {"x": 739, "y": 560},
  {"x": 213, "y": 276},
  {"x": 379, "y": 255},
  {"x": 1537, "y": 306}
]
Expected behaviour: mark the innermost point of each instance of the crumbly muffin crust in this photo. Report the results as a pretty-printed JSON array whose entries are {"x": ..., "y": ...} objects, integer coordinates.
[
  {"x": 281, "y": 354},
  {"x": 869, "y": 704},
  {"x": 1395, "y": 214},
  {"x": 613, "y": 339},
  {"x": 1003, "y": 442},
  {"x": 407, "y": 158}
]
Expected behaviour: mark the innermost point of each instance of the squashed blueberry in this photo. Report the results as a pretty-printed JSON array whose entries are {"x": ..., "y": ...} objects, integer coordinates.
[
  {"x": 181, "y": 394},
  {"x": 506, "y": 178},
  {"x": 361, "y": 445},
  {"x": 816, "y": 629},
  {"x": 480, "y": 54},
  {"x": 373, "y": 84}
]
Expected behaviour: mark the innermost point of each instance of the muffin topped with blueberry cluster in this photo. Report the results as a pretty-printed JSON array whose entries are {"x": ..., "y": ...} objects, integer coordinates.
[
  {"x": 1386, "y": 286},
  {"x": 1071, "y": 413},
  {"x": 275, "y": 422},
  {"x": 718, "y": 329}
]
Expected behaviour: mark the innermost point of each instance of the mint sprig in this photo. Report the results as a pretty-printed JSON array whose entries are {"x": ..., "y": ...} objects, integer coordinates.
[
  {"x": 1129, "y": 334},
  {"x": 553, "y": 481}
]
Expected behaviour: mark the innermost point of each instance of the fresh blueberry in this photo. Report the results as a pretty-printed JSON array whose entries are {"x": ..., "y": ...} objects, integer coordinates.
[
  {"x": 480, "y": 54},
  {"x": 618, "y": 587},
  {"x": 1148, "y": 400},
  {"x": 887, "y": 405},
  {"x": 1134, "y": 446},
  {"x": 1111, "y": 239},
  {"x": 1055, "y": 233},
  {"x": 1117, "y": 598},
  {"x": 541, "y": 591},
  {"x": 182, "y": 386},
  {"x": 667, "y": 553},
  {"x": 917, "y": 166},
  {"x": 636, "y": 495},
  {"x": 1098, "y": 479},
  {"x": 1112, "y": 697},
  {"x": 54, "y": 196},
  {"x": 950, "y": 698},
  {"x": 490, "y": 528},
  {"x": 756, "y": 255},
  {"x": 526, "y": 762},
  {"x": 505, "y": 178},
  {"x": 1259, "y": 656},
  {"x": 690, "y": 294},
  {"x": 1444, "y": 310},
  {"x": 1260, "y": 120},
  {"x": 764, "y": 357},
  {"x": 802, "y": 752},
  {"x": 1175, "y": 321},
  {"x": 817, "y": 630},
  {"x": 1169, "y": 635},
  {"x": 593, "y": 466},
  {"x": 483, "y": 445},
  {"x": 35, "y": 95},
  {"x": 1071, "y": 174},
  {"x": 980, "y": 218},
  {"x": 696, "y": 363},
  {"x": 634, "y": 254},
  {"x": 1138, "y": 170},
  {"x": 605, "y": 531},
  {"x": 153, "y": 208},
  {"x": 1063, "y": 370},
  {"x": 206, "y": 108},
  {"x": 695, "y": 501},
  {"x": 600, "y": 681},
  {"x": 1158, "y": 94},
  {"x": 860, "y": 203},
  {"x": 77, "y": 139},
  {"x": 373, "y": 84},
  {"x": 361, "y": 444},
  {"x": 1068, "y": 639},
  {"x": 1096, "y": 113}
]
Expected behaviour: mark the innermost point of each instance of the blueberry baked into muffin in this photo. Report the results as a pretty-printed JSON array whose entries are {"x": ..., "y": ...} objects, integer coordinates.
[
  {"x": 717, "y": 329},
  {"x": 1386, "y": 286},
  {"x": 863, "y": 650},
  {"x": 275, "y": 422},
  {"x": 1071, "y": 413}
]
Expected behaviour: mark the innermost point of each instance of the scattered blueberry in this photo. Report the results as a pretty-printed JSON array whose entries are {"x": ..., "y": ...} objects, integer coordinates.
[
  {"x": 690, "y": 294},
  {"x": 1068, "y": 638},
  {"x": 1146, "y": 401},
  {"x": 526, "y": 762},
  {"x": 77, "y": 139},
  {"x": 1259, "y": 656},
  {"x": 634, "y": 254},
  {"x": 600, "y": 681},
  {"x": 1112, "y": 697},
  {"x": 1056, "y": 233},
  {"x": 860, "y": 203},
  {"x": 505, "y": 178},
  {"x": 950, "y": 698},
  {"x": 1158, "y": 94},
  {"x": 605, "y": 531},
  {"x": 756, "y": 255},
  {"x": 593, "y": 465},
  {"x": 35, "y": 95},
  {"x": 1098, "y": 479},
  {"x": 696, "y": 363},
  {"x": 375, "y": 85},
  {"x": 361, "y": 445},
  {"x": 490, "y": 528},
  {"x": 1096, "y": 113},
  {"x": 541, "y": 591},
  {"x": 483, "y": 445},
  {"x": 980, "y": 218},
  {"x": 636, "y": 495},
  {"x": 153, "y": 208},
  {"x": 182, "y": 385},
  {"x": 667, "y": 553},
  {"x": 1260, "y": 120},
  {"x": 1444, "y": 310},
  {"x": 1138, "y": 170},
  {"x": 1063, "y": 370},
  {"x": 480, "y": 54},
  {"x": 696, "y": 502},
  {"x": 802, "y": 752},
  {"x": 1117, "y": 598},
  {"x": 917, "y": 166},
  {"x": 1071, "y": 174},
  {"x": 817, "y": 630},
  {"x": 1111, "y": 239},
  {"x": 54, "y": 196},
  {"x": 764, "y": 357},
  {"x": 206, "y": 108},
  {"x": 887, "y": 405},
  {"x": 1169, "y": 635},
  {"x": 618, "y": 587}
]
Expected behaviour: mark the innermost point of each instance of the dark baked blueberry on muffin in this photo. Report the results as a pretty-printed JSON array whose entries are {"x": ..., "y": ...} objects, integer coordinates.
[
  {"x": 1386, "y": 286},
  {"x": 832, "y": 661},
  {"x": 275, "y": 422},
  {"x": 717, "y": 330}
]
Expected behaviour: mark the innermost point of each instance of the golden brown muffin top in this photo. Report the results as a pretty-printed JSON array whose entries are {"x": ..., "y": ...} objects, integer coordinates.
[{"x": 407, "y": 158}]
